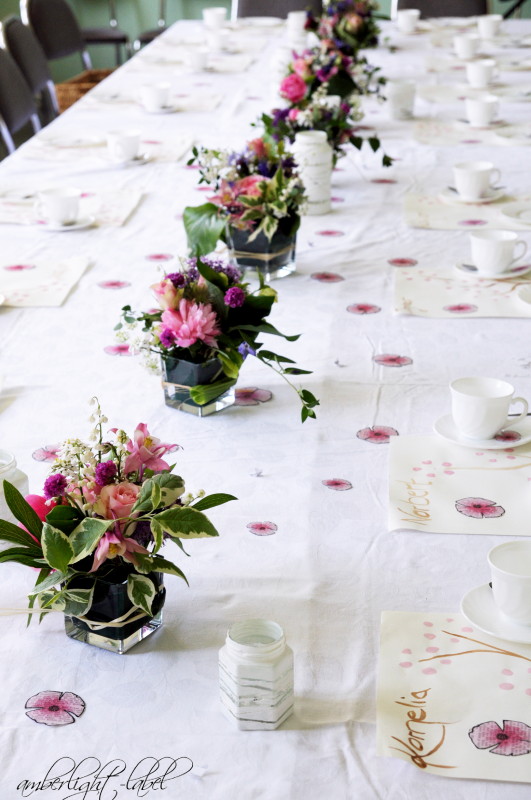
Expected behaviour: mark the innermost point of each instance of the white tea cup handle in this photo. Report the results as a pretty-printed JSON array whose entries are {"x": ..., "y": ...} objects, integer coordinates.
[
  {"x": 510, "y": 421},
  {"x": 495, "y": 177},
  {"x": 522, "y": 254}
]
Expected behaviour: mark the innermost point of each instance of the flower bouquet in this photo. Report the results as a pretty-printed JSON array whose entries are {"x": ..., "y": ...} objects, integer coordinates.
[
  {"x": 208, "y": 323},
  {"x": 255, "y": 207},
  {"x": 319, "y": 114},
  {"x": 95, "y": 534},
  {"x": 348, "y": 23}
]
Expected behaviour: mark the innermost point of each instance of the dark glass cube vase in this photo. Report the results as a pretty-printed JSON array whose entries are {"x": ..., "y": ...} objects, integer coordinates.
[
  {"x": 178, "y": 376},
  {"x": 273, "y": 258}
]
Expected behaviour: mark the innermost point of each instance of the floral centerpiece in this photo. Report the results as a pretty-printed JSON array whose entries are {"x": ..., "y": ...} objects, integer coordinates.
[
  {"x": 327, "y": 65},
  {"x": 255, "y": 206},
  {"x": 339, "y": 122},
  {"x": 208, "y": 323},
  {"x": 350, "y": 24},
  {"x": 96, "y": 533}
]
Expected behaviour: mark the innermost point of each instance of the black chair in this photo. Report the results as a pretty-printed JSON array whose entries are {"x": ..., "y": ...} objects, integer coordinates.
[
  {"x": 109, "y": 35},
  {"x": 56, "y": 28},
  {"x": 17, "y": 107},
  {"x": 276, "y": 8},
  {"x": 443, "y": 8},
  {"x": 24, "y": 48},
  {"x": 147, "y": 36}
]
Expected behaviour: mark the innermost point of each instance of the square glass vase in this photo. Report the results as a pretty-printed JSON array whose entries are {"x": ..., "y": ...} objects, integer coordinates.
[
  {"x": 110, "y": 603},
  {"x": 273, "y": 258},
  {"x": 179, "y": 376}
]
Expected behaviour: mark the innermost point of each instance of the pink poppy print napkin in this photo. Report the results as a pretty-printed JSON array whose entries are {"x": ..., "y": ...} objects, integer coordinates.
[
  {"x": 40, "y": 283},
  {"x": 443, "y": 212},
  {"x": 453, "y": 701}
]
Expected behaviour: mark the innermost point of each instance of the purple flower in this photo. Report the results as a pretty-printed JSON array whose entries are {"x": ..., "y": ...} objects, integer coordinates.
[
  {"x": 167, "y": 338},
  {"x": 105, "y": 473},
  {"x": 246, "y": 350},
  {"x": 234, "y": 297},
  {"x": 177, "y": 278},
  {"x": 54, "y": 486}
]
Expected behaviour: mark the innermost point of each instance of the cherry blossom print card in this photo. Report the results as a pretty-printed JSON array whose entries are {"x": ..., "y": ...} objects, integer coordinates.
[
  {"x": 452, "y": 292},
  {"x": 453, "y": 701},
  {"x": 40, "y": 283},
  {"x": 440, "y": 487},
  {"x": 437, "y": 133},
  {"x": 445, "y": 212}
]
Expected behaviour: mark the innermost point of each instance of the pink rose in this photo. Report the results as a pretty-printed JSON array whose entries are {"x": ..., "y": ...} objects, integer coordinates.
[
  {"x": 293, "y": 88},
  {"x": 166, "y": 293},
  {"x": 117, "y": 500},
  {"x": 293, "y": 113},
  {"x": 249, "y": 186}
]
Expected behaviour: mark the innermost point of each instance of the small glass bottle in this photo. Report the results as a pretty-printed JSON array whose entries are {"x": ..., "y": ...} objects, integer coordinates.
[
  {"x": 256, "y": 675},
  {"x": 10, "y": 472}
]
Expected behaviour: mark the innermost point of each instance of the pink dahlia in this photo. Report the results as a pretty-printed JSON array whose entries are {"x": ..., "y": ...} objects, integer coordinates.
[
  {"x": 192, "y": 322},
  {"x": 514, "y": 739},
  {"x": 479, "y": 508}
]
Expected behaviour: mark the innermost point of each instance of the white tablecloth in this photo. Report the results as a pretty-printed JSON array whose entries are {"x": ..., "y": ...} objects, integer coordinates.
[{"x": 331, "y": 567}]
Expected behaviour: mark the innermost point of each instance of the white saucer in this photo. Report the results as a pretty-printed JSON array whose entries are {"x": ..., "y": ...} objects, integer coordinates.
[
  {"x": 451, "y": 197},
  {"x": 72, "y": 143},
  {"x": 524, "y": 294},
  {"x": 515, "y": 135},
  {"x": 492, "y": 126},
  {"x": 514, "y": 272},
  {"x": 2, "y": 299},
  {"x": 445, "y": 427},
  {"x": 261, "y": 22},
  {"x": 163, "y": 110},
  {"x": 479, "y": 608},
  {"x": 519, "y": 212},
  {"x": 81, "y": 224},
  {"x": 141, "y": 158}
]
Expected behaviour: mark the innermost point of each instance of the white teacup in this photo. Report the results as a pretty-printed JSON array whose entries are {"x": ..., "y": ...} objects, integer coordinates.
[
  {"x": 481, "y": 111},
  {"x": 60, "y": 206},
  {"x": 406, "y": 19},
  {"x": 214, "y": 17},
  {"x": 466, "y": 45},
  {"x": 489, "y": 25},
  {"x": 474, "y": 179},
  {"x": 480, "y": 73},
  {"x": 493, "y": 252},
  {"x": 155, "y": 96},
  {"x": 296, "y": 20},
  {"x": 197, "y": 58},
  {"x": 400, "y": 99},
  {"x": 510, "y": 565},
  {"x": 480, "y": 406},
  {"x": 123, "y": 145}
]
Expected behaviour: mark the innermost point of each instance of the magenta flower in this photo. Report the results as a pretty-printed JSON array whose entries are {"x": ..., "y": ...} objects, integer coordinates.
[
  {"x": 514, "y": 739},
  {"x": 55, "y": 708},
  {"x": 146, "y": 450},
  {"x": 262, "y": 528},
  {"x": 403, "y": 262},
  {"x": 338, "y": 484},
  {"x": 386, "y": 360},
  {"x": 293, "y": 88},
  {"x": 327, "y": 277},
  {"x": 113, "y": 284},
  {"x": 378, "y": 434},
  {"x": 105, "y": 473},
  {"x": 479, "y": 508},
  {"x": 113, "y": 544},
  {"x": 508, "y": 436},
  {"x": 234, "y": 297},
  {"x": 47, "y": 453},
  {"x": 461, "y": 308},
  {"x": 363, "y": 308},
  {"x": 252, "y": 396},
  {"x": 191, "y": 322},
  {"x": 54, "y": 486}
]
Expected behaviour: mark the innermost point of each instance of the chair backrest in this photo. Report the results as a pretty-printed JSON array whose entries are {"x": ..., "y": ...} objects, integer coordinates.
[
  {"x": 444, "y": 8},
  {"x": 276, "y": 8},
  {"x": 55, "y": 26},
  {"x": 17, "y": 106}
]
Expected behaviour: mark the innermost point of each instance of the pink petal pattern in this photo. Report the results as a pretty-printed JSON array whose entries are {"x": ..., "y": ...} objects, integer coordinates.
[
  {"x": 55, "y": 708},
  {"x": 252, "y": 396},
  {"x": 513, "y": 739},
  {"x": 330, "y": 232},
  {"x": 473, "y": 223},
  {"x": 363, "y": 308},
  {"x": 338, "y": 484},
  {"x": 403, "y": 262},
  {"x": 159, "y": 257},
  {"x": 508, "y": 436},
  {"x": 383, "y": 180},
  {"x": 113, "y": 284},
  {"x": 479, "y": 508},
  {"x": 118, "y": 350},
  {"x": 19, "y": 267},
  {"x": 388, "y": 360},
  {"x": 461, "y": 308},
  {"x": 262, "y": 528},
  {"x": 327, "y": 277},
  {"x": 378, "y": 434},
  {"x": 47, "y": 453}
]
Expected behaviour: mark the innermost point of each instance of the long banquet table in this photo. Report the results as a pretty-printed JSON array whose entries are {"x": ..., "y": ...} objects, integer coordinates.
[{"x": 331, "y": 566}]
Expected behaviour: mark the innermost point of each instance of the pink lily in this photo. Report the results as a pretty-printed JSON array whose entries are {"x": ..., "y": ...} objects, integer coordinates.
[
  {"x": 113, "y": 544},
  {"x": 146, "y": 451}
]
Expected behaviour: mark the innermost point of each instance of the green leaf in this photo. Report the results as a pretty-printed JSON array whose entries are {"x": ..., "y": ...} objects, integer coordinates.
[
  {"x": 230, "y": 369},
  {"x": 266, "y": 327},
  {"x": 212, "y": 500},
  {"x": 374, "y": 143},
  {"x": 21, "y": 555},
  {"x": 86, "y": 536},
  {"x": 65, "y": 518},
  {"x": 144, "y": 563},
  {"x": 186, "y": 523},
  {"x": 43, "y": 574},
  {"x": 22, "y": 510},
  {"x": 15, "y": 535},
  {"x": 78, "y": 601},
  {"x": 53, "y": 579},
  {"x": 270, "y": 356},
  {"x": 141, "y": 592},
  {"x": 156, "y": 495},
  {"x": 56, "y": 548},
  {"x": 162, "y": 565},
  {"x": 158, "y": 534},
  {"x": 204, "y": 227},
  {"x": 53, "y": 600}
]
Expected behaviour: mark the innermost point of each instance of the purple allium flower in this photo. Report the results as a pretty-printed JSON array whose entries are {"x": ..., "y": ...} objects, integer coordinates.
[
  {"x": 177, "y": 278},
  {"x": 54, "y": 486},
  {"x": 105, "y": 473},
  {"x": 246, "y": 350},
  {"x": 167, "y": 338},
  {"x": 234, "y": 297}
]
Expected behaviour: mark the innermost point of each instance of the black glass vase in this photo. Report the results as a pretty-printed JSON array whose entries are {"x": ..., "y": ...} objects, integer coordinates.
[
  {"x": 273, "y": 258},
  {"x": 178, "y": 376}
]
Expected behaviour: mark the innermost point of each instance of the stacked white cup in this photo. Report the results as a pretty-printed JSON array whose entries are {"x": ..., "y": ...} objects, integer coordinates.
[
  {"x": 475, "y": 180},
  {"x": 481, "y": 73},
  {"x": 313, "y": 155},
  {"x": 407, "y": 19},
  {"x": 296, "y": 31},
  {"x": 489, "y": 25}
]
